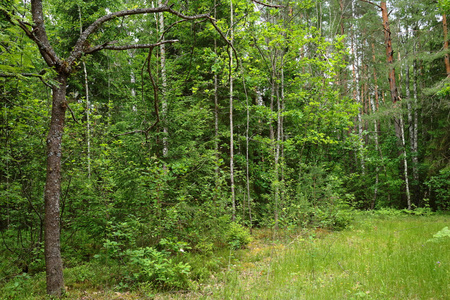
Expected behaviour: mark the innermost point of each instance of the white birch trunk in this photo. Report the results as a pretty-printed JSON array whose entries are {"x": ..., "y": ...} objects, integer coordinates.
[
  {"x": 162, "y": 50},
  {"x": 86, "y": 87},
  {"x": 233, "y": 196}
]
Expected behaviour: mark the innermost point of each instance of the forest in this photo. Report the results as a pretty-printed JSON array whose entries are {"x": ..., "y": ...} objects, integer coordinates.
[{"x": 135, "y": 130}]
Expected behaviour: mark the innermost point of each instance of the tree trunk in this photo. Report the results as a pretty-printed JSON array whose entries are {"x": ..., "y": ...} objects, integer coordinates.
[
  {"x": 357, "y": 95},
  {"x": 390, "y": 60},
  {"x": 233, "y": 196},
  {"x": 411, "y": 107},
  {"x": 162, "y": 49},
  {"x": 341, "y": 23},
  {"x": 447, "y": 58},
  {"x": 216, "y": 110},
  {"x": 389, "y": 53},
  {"x": 247, "y": 166},
  {"x": 403, "y": 142},
  {"x": 398, "y": 122},
  {"x": 375, "y": 123},
  {"x": 405, "y": 163},
  {"x": 53, "y": 261},
  {"x": 86, "y": 87},
  {"x": 415, "y": 126},
  {"x": 377, "y": 148},
  {"x": 277, "y": 159}
]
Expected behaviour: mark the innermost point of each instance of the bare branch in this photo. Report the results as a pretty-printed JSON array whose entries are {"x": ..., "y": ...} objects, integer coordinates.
[
  {"x": 269, "y": 5},
  {"x": 44, "y": 49},
  {"x": 18, "y": 75},
  {"x": 189, "y": 18},
  {"x": 130, "y": 132},
  {"x": 9, "y": 75},
  {"x": 39, "y": 35},
  {"x": 79, "y": 48},
  {"x": 108, "y": 46},
  {"x": 73, "y": 114},
  {"x": 370, "y": 2},
  {"x": 225, "y": 39},
  {"x": 169, "y": 27},
  {"x": 155, "y": 90}
]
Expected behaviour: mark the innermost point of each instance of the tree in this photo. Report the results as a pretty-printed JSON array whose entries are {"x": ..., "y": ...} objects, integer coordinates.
[{"x": 63, "y": 68}]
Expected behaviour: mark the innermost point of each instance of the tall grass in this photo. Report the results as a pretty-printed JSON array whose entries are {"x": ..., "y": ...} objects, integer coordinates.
[
  {"x": 379, "y": 257},
  {"x": 388, "y": 258}
]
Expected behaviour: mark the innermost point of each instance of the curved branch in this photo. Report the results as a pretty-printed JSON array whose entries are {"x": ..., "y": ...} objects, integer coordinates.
[
  {"x": 9, "y": 75},
  {"x": 370, "y": 2},
  {"x": 39, "y": 35},
  {"x": 269, "y": 5},
  {"x": 79, "y": 48},
  {"x": 169, "y": 27},
  {"x": 44, "y": 48},
  {"x": 226, "y": 40},
  {"x": 108, "y": 46},
  {"x": 155, "y": 90}
]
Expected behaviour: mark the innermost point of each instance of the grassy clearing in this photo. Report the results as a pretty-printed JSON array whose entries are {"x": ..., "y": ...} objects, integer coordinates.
[{"x": 380, "y": 258}]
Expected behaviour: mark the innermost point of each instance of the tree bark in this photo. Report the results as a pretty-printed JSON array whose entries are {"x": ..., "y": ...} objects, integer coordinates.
[
  {"x": 357, "y": 95},
  {"x": 389, "y": 53},
  {"x": 405, "y": 163},
  {"x": 411, "y": 107},
  {"x": 447, "y": 58},
  {"x": 88, "y": 105},
  {"x": 415, "y": 126},
  {"x": 216, "y": 111},
  {"x": 341, "y": 23},
  {"x": 375, "y": 123},
  {"x": 63, "y": 69},
  {"x": 164, "y": 103},
  {"x": 53, "y": 261},
  {"x": 233, "y": 194}
]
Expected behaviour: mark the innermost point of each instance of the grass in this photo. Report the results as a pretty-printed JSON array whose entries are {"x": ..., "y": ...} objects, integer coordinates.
[{"x": 379, "y": 257}]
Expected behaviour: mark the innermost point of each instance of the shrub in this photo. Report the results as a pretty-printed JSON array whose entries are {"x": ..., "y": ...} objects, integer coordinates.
[
  {"x": 149, "y": 264},
  {"x": 237, "y": 236}
]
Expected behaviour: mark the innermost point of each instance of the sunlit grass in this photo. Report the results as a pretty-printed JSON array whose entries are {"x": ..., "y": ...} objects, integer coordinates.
[{"x": 377, "y": 259}]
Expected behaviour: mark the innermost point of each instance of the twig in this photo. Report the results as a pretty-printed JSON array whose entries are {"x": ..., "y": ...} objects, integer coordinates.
[
  {"x": 269, "y": 5},
  {"x": 73, "y": 115},
  {"x": 10, "y": 75},
  {"x": 370, "y": 2},
  {"x": 226, "y": 40}
]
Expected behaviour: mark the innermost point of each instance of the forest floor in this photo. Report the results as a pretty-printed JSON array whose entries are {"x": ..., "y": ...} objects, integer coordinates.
[{"x": 377, "y": 257}]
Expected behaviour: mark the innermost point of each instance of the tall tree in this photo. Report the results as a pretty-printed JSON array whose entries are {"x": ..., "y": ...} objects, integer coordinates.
[{"x": 63, "y": 68}]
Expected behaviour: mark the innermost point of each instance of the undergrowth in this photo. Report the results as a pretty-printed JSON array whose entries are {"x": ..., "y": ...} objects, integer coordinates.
[{"x": 383, "y": 255}]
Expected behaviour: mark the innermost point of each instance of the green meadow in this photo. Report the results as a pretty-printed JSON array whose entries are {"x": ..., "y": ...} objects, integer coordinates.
[
  {"x": 401, "y": 257},
  {"x": 379, "y": 256}
]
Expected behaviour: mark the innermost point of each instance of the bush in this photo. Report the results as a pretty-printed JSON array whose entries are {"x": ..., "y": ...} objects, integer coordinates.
[
  {"x": 440, "y": 187},
  {"x": 237, "y": 236},
  {"x": 149, "y": 264}
]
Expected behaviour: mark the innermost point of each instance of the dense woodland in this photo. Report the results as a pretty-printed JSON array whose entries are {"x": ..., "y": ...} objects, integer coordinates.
[{"x": 171, "y": 125}]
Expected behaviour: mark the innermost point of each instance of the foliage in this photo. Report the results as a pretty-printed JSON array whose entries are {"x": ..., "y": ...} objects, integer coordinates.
[
  {"x": 440, "y": 235},
  {"x": 440, "y": 185},
  {"x": 146, "y": 183},
  {"x": 155, "y": 266},
  {"x": 237, "y": 236}
]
